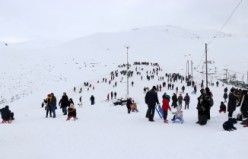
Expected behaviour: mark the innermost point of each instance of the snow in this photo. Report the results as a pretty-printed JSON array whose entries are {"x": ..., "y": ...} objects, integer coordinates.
[{"x": 103, "y": 130}]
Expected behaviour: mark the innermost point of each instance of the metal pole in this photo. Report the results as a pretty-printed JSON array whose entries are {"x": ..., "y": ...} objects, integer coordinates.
[
  {"x": 206, "y": 51},
  {"x": 188, "y": 67},
  {"x": 127, "y": 74},
  {"x": 192, "y": 69}
]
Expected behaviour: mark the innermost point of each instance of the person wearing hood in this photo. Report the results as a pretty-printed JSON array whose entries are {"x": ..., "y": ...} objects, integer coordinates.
[{"x": 6, "y": 114}]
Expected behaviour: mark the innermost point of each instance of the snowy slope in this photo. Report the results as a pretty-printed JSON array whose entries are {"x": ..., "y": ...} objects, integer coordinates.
[{"x": 107, "y": 131}]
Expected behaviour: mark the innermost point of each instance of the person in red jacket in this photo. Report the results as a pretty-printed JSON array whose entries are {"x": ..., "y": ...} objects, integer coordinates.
[{"x": 165, "y": 107}]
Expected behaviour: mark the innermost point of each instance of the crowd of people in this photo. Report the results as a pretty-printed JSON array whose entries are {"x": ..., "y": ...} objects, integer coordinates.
[{"x": 231, "y": 100}]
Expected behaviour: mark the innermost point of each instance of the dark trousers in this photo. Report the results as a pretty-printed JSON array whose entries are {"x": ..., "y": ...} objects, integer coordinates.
[
  {"x": 48, "y": 111},
  {"x": 150, "y": 112},
  {"x": 230, "y": 113},
  {"x": 165, "y": 114},
  {"x": 128, "y": 109},
  {"x": 186, "y": 106}
]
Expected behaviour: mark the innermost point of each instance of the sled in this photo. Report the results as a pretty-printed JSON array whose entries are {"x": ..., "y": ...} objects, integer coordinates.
[{"x": 159, "y": 110}]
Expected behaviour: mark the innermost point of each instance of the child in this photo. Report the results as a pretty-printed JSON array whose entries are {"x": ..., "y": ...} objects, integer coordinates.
[
  {"x": 222, "y": 107},
  {"x": 7, "y": 115},
  {"x": 72, "y": 113},
  {"x": 165, "y": 107},
  {"x": 178, "y": 117},
  {"x": 229, "y": 125}
]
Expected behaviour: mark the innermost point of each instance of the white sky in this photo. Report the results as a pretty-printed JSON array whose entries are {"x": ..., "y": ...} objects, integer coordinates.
[{"x": 28, "y": 19}]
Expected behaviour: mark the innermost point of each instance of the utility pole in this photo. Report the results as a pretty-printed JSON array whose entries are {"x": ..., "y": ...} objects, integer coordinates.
[
  {"x": 206, "y": 51},
  {"x": 226, "y": 73},
  {"x": 247, "y": 78},
  {"x": 192, "y": 69},
  {"x": 127, "y": 73}
]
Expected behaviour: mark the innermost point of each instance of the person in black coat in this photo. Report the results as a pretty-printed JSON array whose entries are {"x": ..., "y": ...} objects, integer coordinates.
[
  {"x": 64, "y": 103},
  {"x": 174, "y": 100},
  {"x": 129, "y": 103},
  {"x": 229, "y": 125},
  {"x": 6, "y": 114},
  {"x": 92, "y": 100},
  {"x": 225, "y": 96},
  {"x": 222, "y": 107},
  {"x": 232, "y": 101},
  {"x": 151, "y": 99},
  {"x": 202, "y": 107}
]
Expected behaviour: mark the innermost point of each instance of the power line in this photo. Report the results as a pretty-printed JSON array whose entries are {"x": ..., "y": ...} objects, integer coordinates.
[{"x": 225, "y": 23}]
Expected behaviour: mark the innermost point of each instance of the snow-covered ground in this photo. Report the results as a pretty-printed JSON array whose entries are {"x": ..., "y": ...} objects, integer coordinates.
[{"x": 103, "y": 130}]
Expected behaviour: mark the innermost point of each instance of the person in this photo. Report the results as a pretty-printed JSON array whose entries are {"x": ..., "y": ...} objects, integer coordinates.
[
  {"x": 217, "y": 83},
  {"x": 225, "y": 97},
  {"x": 70, "y": 101},
  {"x": 244, "y": 107},
  {"x": 183, "y": 88},
  {"x": 53, "y": 105},
  {"x": 201, "y": 107},
  {"x": 6, "y": 114},
  {"x": 180, "y": 100},
  {"x": 64, "y": 101},
  {"x": 174, "y": 100},
  {"x": 151, "y": 99},
  {"x": 165, "y": 107},
  {"x": 129, "y": 103},
  {"x": 222, "y": 107},
  {"x": 209, "y": 104},
  {"x": 72, "y": 112},
  {"x": 92, "y": 100},
  {"x": 47, "y": 102},
  {"x": 186, "y": 101},
  {"x": 232, "y": 101},
  {"x": 178, "y": 116}
]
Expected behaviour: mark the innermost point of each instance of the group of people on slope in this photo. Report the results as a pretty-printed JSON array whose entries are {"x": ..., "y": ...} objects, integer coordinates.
[
  {"x": 178, "y": 101},
  {"x": 151, "y": 99},
  {"x": 65, "y": 103}
]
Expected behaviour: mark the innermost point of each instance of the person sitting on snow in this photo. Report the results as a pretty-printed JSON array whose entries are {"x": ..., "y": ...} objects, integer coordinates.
[
  {"x": 6, "y": 114},
  {"x": 222, "y": 107},
  {"x": 178, "y": 116},
  {"x": 72, "y": 113}
]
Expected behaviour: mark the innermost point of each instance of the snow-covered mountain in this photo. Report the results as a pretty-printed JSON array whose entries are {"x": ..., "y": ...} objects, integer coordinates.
[{"x": 107, "y": 131}]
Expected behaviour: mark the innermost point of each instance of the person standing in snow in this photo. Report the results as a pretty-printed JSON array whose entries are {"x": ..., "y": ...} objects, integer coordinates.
[
  {"x": 232, "y": 101},
  {"x": 210, "y": 99},
  {"x": 47, "y": 101},
  {"x": 151, "y": 99},
  {"x": 165, "y": 107},
  {"x": 129, "y": 103},
  {"x": 53, "y": 105},
  {"x": 174, "y": 100},
  {"x": 186, "y": 101},
  {"x": 225, "y": 96},
  {"x": 92, "y": 100},
  {"x": 64, "y": 102},
  {"x": 201, "y": 107},
  {"x": 180, "y": 101}
]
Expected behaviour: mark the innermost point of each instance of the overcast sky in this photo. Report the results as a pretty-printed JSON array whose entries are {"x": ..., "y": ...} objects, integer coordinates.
[{"x": 29, "y": 19}]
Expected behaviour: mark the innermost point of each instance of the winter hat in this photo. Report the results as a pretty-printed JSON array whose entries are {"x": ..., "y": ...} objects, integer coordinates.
[{"x": 154, "y": 88}]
